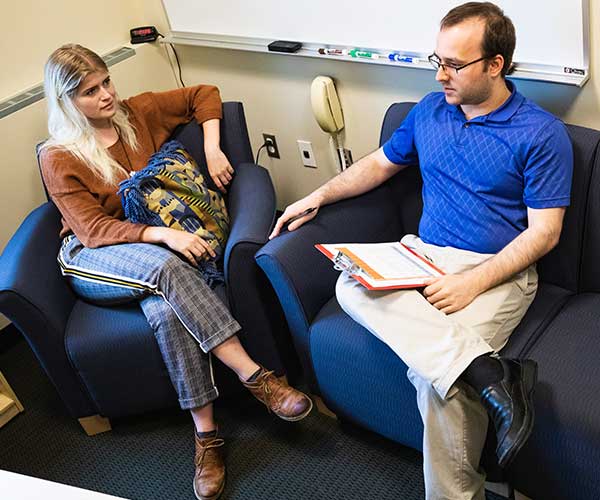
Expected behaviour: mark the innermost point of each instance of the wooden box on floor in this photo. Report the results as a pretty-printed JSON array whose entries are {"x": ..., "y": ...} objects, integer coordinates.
[{"x": 9, "y": 404}]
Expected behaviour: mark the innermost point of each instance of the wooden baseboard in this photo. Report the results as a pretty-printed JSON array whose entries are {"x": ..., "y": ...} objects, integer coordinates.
[
  {"x": 8, "y": 410},
  {"x": 10, "y": 405},
  {"x": 520, "y": 496},
  {"x": 322, "y": 407},
  {"x": 502, "y": 489},
  {"x": 95, "y": 424},
  {"x": 505, "y": 490}
]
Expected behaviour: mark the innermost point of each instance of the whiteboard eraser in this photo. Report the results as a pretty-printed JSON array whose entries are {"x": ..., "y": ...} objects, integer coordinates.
[{"x": 284, "y": 46}]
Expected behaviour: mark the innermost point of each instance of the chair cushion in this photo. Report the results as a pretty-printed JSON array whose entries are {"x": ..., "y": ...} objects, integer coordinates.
[
  {"x": 565, "y": 444},
  {"x": 115, "y": 354},
  {"x": 117, "y": 358},
  {"x": 361, "y": 379},
  {"x": 548, "y": 302}
]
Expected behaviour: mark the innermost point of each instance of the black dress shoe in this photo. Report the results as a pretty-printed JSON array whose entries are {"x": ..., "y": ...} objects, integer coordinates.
[{"x": 509, "y": 403}]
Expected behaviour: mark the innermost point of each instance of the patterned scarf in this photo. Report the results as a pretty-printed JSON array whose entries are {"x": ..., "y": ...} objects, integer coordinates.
[{"x": 170, "y": 191}]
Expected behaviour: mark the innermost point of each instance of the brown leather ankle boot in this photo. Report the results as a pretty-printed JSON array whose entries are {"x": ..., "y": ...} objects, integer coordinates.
[
  {"x": 285, "y": 401},
  {"x": 209, "y": 479}
]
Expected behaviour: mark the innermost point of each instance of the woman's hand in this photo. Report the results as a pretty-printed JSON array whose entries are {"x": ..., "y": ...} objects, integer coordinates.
[
  {"x": 219, "y": 168},
  {"x": 190, "y": 245}
]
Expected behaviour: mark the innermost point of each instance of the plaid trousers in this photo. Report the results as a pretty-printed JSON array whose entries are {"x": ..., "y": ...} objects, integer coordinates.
[{"x": 187, "y": 317}]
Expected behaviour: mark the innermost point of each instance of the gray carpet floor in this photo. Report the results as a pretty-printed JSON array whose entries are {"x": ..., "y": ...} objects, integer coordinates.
[{"x": 151, "y": 456}]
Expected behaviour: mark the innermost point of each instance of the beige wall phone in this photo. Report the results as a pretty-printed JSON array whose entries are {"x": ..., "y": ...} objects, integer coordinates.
[{"x": 328, "y": 111}]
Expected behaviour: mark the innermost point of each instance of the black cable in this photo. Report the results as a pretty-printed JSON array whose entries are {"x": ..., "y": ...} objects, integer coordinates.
[
  {"x": 178, "y": 65},
  {"x": 258, "y": 152},
  {"x": 176, "y": 58}
]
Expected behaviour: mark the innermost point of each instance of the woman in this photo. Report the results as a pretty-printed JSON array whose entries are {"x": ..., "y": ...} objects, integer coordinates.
[{"x": 95, "y": 142}]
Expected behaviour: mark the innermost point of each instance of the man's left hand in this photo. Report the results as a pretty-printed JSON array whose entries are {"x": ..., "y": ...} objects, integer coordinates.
[
  {"x": 219, "y": 168},
  {"x": 452, "y": 292}
]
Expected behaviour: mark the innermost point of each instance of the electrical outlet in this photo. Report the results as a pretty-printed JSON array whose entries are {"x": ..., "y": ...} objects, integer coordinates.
[
  {"x": 348, "y": 157},
  {"x": 272, "y": 148},
  {"x": 306, "y": 153},
  {"x": 343, "y": 158}
]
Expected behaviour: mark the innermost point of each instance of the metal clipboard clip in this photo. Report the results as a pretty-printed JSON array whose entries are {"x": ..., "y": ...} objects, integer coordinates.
[{"x": 342, "y": 262}]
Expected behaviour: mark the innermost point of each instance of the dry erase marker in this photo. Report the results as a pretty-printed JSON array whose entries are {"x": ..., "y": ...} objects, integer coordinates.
[
  {"x": 363, "y": 53},
  {"x": 333, "y": 52},
  {"x": 405, "y": 59}
]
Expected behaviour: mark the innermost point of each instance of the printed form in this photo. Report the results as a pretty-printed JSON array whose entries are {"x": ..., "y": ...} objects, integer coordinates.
[{"x": 381, "y": 266}]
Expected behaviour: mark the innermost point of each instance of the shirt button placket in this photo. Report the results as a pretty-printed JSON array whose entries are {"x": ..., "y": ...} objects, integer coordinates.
[{"x": 462, "y": 134}]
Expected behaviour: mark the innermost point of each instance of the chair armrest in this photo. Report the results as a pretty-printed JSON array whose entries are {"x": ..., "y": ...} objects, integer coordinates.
[
  {"x": 302, "y": 277},
  {"x": 251, "y": 205},
  {"x": 30, "y": 272},
  {"x": 35, "y": 297}
]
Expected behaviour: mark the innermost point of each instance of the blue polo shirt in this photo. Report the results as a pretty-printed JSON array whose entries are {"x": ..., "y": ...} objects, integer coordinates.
[{"x": 480, "y": 175}]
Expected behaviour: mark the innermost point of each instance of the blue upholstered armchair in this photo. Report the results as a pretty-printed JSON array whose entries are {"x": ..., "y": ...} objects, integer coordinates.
[
  {"x": 363, "y": 381},
  {"x": 104, "y": 361}
]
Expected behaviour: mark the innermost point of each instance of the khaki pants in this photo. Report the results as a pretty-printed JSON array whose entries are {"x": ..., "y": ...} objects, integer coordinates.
[{"x": 437, "y": 348}]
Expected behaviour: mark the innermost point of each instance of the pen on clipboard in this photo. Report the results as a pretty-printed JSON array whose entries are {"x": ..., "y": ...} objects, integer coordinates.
[
  {"x": 421, "y": 253},
  {"x": 299, "y": 216},
  {"x": 427, "y": 257}
]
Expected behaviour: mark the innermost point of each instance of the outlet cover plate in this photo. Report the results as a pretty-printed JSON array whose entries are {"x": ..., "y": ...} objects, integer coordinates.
[
  {"x": 272, "y": 148},
  {"x": 306, "y": 153}
]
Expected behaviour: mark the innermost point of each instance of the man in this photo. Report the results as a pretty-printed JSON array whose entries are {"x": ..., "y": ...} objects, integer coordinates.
[{"x": 496, "y": 174}]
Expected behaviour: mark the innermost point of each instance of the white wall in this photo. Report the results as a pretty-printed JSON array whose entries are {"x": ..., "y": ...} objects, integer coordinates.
[{"x": 50, "y": 24}]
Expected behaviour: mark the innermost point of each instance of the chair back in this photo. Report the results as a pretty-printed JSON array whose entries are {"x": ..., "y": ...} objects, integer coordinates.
[
  {"x": 562, "y": 266},
  {"x": 234, "y": 139},
  {"x": 406, "y": 185},
  {"x": 575, "y": 260},
  {"x": 38, "y": 150}
]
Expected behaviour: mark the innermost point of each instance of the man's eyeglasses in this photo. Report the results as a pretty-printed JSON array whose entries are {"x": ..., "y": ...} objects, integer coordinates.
[{"x": 437, "y": 63}]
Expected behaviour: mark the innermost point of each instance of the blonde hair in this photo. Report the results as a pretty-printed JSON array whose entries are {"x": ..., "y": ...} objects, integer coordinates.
[{"x": 68, "y": 127}]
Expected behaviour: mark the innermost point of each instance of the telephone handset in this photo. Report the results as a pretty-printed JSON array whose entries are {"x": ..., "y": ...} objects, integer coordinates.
[{"x": 326, "y": 105}]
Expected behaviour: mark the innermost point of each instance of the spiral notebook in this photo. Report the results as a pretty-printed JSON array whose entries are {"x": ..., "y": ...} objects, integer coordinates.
[{"x": 381, "y": 266}]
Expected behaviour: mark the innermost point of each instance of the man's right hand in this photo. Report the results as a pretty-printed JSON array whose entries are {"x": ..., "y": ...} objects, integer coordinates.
[{"x": 294, "y": 210}]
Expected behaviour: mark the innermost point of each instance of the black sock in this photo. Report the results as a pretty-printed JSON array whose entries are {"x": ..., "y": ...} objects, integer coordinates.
[
  {"x": 254, "y": 375},
  {"x": 484, "y": 370},
  {"x": 207, "y": 434}
]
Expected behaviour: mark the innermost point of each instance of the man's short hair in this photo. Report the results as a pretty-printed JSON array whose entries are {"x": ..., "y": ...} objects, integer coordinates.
[{"x": 499, "y": 34}]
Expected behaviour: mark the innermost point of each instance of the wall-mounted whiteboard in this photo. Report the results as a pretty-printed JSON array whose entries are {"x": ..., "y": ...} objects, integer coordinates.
[{"x": 552, "y": 35}]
